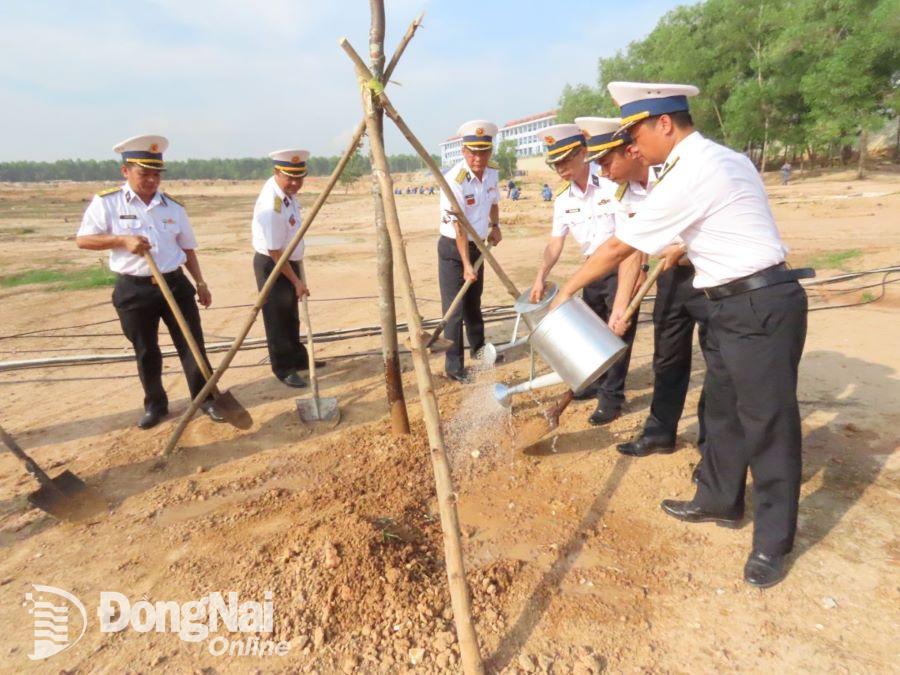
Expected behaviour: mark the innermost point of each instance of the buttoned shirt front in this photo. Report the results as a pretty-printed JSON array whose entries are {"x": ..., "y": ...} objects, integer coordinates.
[
  {"x": 163, "y": 222},
  {"x": 589, "y": 214},
  {"x": 475, "y": 196},
  {"x": 276, "y": 219},
  {"x": 713, "y": 198}
]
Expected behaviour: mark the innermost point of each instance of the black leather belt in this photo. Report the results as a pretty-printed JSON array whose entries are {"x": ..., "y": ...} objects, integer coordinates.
[
  {"x": 771, "y": 276},
  {"x": 170, "y": 277}
]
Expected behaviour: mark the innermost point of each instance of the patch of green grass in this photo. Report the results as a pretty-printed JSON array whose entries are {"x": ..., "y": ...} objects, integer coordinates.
[
  {"x": 834, "y": 259},
  {"x": 62, "y": 280},
  {"x": 20, "y": 230},
  {"x": 868, "y": 297}
]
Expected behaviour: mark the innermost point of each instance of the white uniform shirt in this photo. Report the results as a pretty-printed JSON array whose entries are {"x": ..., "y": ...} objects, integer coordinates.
[
  {"x": 276, "y": 219},
  {"x": 474, "y": 196},
  {"x": 589, "y": 215},
  {"x": 163, "y": 222},
  {"x": 713, "y": 198}
]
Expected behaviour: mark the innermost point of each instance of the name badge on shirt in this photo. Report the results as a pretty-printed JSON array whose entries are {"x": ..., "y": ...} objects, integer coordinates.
[
  {"x": 127, "y": 216},
  {"x": 168, "y": 221},
  {"x": 573, "y": 210},
  {"x": 470, "y": 200}
]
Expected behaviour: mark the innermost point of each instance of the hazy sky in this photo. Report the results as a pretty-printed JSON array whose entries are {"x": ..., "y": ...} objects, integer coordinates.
[{"x": 238, "y": 78}]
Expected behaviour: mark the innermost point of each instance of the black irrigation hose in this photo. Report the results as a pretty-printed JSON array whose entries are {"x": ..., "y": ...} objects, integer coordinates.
[{"x": 494, "y": 313}]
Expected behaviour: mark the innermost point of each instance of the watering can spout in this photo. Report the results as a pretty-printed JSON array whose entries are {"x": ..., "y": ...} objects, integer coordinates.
[{"x": 501, "y": 394}]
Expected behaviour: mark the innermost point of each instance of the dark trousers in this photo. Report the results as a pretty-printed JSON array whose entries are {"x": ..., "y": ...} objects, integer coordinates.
[
  {"x": 281, "y": 316},
  {"x": 140, "y": 305},
  {"x": 753, "y": 350},
  {"x": 599, "y": 296},
  {"x": 450, "y": 278},
  {"x": 678, "y": 307}
]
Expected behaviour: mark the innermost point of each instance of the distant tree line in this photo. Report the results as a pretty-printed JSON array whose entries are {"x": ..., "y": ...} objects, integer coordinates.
[
  {"x": 229, "y": 169},
  {"x": 778, "y": 78}
]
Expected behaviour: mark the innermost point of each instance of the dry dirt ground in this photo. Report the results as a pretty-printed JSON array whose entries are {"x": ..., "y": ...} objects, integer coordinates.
[{"x": 572, "y": 565}]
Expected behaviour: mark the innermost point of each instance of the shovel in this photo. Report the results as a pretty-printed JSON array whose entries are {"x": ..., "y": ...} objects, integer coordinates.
[
  {"x": 316, "y": 409},
  {"x": 552, "y": 414},
  {"x": 435, "y": 342},
  {"x": 65, "y": 497},
  {"x": 233, "y": 412}
]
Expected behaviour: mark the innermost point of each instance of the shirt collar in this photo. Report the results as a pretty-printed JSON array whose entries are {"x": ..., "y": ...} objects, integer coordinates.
[
  {"x": 131, "y": 195},
  {"x": 684, "y": 146},
  {"x": 278, "y": 191}
]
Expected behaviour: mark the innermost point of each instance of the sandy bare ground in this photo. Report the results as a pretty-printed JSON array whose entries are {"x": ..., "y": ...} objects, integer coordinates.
[{"x": 572, "y": 565}]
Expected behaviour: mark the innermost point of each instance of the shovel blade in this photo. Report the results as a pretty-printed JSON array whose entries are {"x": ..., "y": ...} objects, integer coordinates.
[
  {"x": 232, "y": 410},
  {"x": 439, "y": 346},
  {"x": 326, "y": 411},
  {"x": 68, "y": 499}
]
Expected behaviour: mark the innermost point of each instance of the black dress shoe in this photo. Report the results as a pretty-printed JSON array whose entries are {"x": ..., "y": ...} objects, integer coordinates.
[
  {"x": 212, "y": 411},
  {"x": 294, "y": 380},
  {"x": 645, "y": 445},
  {"x": 462, "y": 376},
  {"x": 604, "y": 415},
  {"x": 151, "y": 418},
  {"x": 691, "y": 513},
  {"x": 763, "y": 570}
]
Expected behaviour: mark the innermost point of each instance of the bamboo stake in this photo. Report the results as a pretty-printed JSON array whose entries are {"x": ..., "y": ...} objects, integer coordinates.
[
  {"x": 387, "y": 311},
  {"x": 282, "y": 261},
  {"x": 378, "y": 91},
  {"x": 459, "y": 590}
]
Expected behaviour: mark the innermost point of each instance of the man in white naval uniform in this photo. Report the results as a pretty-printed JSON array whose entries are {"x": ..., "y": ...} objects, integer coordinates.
[
  {"x": 276, "y": 219},
  {"x": 129, "y": 221},
  {"x": 678, "y": 305},
  {"x": 714, "y": 200},
  {"x": 474, "y": 184},
  {"x": 584, "y": 207}
]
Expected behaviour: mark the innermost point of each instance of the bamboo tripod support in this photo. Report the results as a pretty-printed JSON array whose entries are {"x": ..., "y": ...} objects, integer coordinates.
[
  {"x": 282, "y": 261},
  {"x": 459, "y": 590},
  {"x": 366, "y": 76}
]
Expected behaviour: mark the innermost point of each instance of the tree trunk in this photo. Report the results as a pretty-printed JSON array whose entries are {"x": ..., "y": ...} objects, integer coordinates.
[
  {"x": 460, "y": 598},
  {"x": 765, "y": 147},
  {"x": 387, "y": 312},
  {"x": 863, "y": 151}
]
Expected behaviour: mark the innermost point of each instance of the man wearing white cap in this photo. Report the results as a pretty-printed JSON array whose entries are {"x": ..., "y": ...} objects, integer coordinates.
[
  {"x": 134, "y": 219},
  {"x": 474, "y": 184},
  {"x": 678, "y": 306},
  {"x": 713, "y": 198},
  {"x": 584, "y": 207},
  {"x": 276, "y": 219}
]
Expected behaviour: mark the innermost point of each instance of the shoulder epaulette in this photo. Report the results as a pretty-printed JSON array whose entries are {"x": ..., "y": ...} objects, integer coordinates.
[
  {"x": 562, "y": 188},
  {"x": 668, "y": 169},
  {"x": 277, "y": 205},
  {"x": 493, "y": 165},
  {"x": 110, "y": 191},
  {"x": 461, "y": 176},
  {"x": 621, "y": 190},
  {"x": 172, "y": 199}
]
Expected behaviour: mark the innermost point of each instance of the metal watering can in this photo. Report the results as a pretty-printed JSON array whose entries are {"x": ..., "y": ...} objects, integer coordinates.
[{"x": 575, "y": 342}]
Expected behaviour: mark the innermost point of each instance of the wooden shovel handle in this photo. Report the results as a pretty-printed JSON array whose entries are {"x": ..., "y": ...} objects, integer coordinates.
[
  {"x": 304, "y": 305},
  {"x": 179, "y": 317},
  {"x": 457, "y": 301},
  {"x": 30, "y": 465},
  {"x": 642, "y": 291}
]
